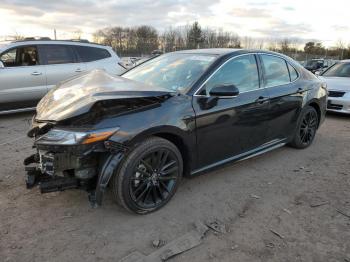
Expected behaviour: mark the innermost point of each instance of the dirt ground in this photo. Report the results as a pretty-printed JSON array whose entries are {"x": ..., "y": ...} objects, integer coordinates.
[{"x": 286, "y": 205}]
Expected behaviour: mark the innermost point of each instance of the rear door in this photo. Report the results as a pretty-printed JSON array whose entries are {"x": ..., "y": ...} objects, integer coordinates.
[
  {"x": 286, "y": 95},
  {"x": 23, "y": 79},
  {"x": 61, "y": 62},
  {"x": 229, "y": 126}
]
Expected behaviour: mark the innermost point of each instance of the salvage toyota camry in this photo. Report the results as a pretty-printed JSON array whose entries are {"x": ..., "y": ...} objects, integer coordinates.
[{"x": 178, "y": 114}]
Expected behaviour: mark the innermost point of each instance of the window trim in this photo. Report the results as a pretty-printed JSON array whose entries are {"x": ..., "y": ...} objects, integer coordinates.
[
  {"x": 290, "y": 77},
  {"x": 43, "y": 50},
  {"x": 228, "y": 60},
  {"x": 40, "y": 59},
  {"x": 80, "y": 58},
  {"x": 285, "y": 60}
]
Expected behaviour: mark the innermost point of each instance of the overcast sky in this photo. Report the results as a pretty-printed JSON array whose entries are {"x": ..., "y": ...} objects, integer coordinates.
[{"x": 327, "y": 21}]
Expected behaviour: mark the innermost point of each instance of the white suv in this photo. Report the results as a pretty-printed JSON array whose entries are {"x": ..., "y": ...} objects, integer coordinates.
[{"x": 28, "y": 69}]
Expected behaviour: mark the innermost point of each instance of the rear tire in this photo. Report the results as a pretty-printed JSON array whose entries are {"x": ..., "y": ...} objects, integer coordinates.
[
  {"x": 148, "y": 176},
  {"x": 306, "y": 128}
]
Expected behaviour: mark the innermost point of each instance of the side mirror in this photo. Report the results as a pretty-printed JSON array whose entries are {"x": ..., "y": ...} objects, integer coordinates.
[
  {"x": 224, "y": 90},
  {"x": 1, "y": 64},
  {"x": 317, "y": 73}
]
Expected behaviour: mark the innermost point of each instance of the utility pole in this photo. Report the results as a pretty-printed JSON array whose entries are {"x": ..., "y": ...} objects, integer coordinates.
[{"x": 54, "y": 32}]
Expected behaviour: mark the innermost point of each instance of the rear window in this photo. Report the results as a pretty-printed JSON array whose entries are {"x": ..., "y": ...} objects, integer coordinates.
[
  {"x": 276, "y": 71},
  {"x": 58, "y": 54},
  {"x": 88, "y": 54}
]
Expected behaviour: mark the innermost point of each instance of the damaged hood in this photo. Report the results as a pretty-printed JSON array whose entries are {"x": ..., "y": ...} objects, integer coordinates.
[{"x": 78, "y": 95}]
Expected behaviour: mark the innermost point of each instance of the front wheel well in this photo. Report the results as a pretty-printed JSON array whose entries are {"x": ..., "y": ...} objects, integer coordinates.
[
  {"x": 318, "y": 110},
  {"x": 180, "y": 144}
]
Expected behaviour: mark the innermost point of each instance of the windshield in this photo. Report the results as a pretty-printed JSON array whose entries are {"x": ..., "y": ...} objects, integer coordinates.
[
  {"x": 173, "y": 71},
  {"x": 2, "y": 47},
  {"x": 339, "y": 70}
]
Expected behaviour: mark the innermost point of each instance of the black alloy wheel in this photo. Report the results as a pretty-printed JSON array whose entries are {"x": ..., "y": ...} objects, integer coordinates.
[
  {"x": 306, "y": 129},
  {"x": 154, "y": 178},
  {"x": 149, "y": 176}
]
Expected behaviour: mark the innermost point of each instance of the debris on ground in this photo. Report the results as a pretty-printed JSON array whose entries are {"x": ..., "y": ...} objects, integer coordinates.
[
  {"x": 270, "y": 245},
  {"x": 217, "y": 226},
  {"x": 173, "y": 248},
  {"x": 234, "y": 247},
  {"x": 67, "y": 216},
  {"x": 277, "y": 234},
  {"x": 318, "y": 204},
  {"x": 287, "y": 211},
  {"x": 158, "y": 243},
  {"x": 255, "y": 196}
]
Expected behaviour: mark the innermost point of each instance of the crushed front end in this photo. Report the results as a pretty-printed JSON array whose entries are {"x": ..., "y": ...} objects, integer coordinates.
[
  {"x": 77, "y": 136},
  {"x": 66, "y": 158}
]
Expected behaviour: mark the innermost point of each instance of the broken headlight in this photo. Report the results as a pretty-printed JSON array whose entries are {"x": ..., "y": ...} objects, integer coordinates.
[{"x": 71, "y": 137}]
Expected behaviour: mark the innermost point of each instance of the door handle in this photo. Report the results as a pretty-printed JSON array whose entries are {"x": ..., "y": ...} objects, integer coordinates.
[
  {"x": 78, "y": 70},
  {"x": 36, "y": 73},
  {"x": 262, "y": 99}
]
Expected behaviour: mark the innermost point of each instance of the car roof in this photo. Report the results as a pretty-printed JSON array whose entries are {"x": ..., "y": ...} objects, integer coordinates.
[
  {"x": 50, "y": 42},
  {"x": 209, "y": 51},
  {"x": 225, "y": 51}
]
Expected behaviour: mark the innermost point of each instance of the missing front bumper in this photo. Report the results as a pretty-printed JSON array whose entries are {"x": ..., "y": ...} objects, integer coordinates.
[
  {"x": 59, "y": 171},
  {"x": 88, "y": 170}
]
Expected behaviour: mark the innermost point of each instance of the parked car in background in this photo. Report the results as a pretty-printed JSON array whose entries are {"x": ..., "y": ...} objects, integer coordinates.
[
  {"x": 318, "y": 65},
  {"x": 129, "y": 62},
  {"x": 177, "y": 114},
  {"x": 337, "y": 78},
  {"x": 29, "y": 69}
]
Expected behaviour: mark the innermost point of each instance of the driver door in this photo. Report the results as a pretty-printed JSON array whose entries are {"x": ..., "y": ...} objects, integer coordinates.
[{"x": 229, "y": 126}]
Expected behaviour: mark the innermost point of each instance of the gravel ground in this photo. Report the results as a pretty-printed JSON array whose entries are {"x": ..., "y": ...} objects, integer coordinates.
[{"x": 286, "y": 205}]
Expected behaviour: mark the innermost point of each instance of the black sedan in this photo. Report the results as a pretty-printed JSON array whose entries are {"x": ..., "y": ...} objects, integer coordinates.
[{"x": 178, "y": 114}]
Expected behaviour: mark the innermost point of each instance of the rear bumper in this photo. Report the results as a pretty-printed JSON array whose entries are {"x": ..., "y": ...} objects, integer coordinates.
[{"x": 338, "y": 104}]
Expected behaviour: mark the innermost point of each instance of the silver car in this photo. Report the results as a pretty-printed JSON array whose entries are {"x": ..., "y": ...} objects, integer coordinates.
[
  {"x": 337, "y": 78},
  {"x": 28, "y": 69}
]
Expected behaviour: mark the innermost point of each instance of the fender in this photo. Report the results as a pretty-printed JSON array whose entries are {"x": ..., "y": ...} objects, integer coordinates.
[
  {"x": 107, "y": 171},
  {"x": 184, "y": 135}
]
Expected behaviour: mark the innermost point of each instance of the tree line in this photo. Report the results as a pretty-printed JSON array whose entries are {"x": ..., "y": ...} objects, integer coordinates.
[{"x": 142, "y": 40}]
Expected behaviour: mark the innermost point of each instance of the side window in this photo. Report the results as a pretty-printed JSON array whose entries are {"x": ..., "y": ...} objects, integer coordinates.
[
  {"x": 22, "y": 56},
  {"x": 276, "y": 71},
  {"x": 58, "y": 54},
  {"x": 241, "y": 72},
  {"x": 88, "y": 54},
  {"x": 293, "y": 73}
]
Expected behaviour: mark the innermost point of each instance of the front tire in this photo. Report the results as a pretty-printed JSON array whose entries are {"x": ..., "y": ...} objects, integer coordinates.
[
  {"x": 306, "y": 128},
  {"x": 149, "y": 176}
]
